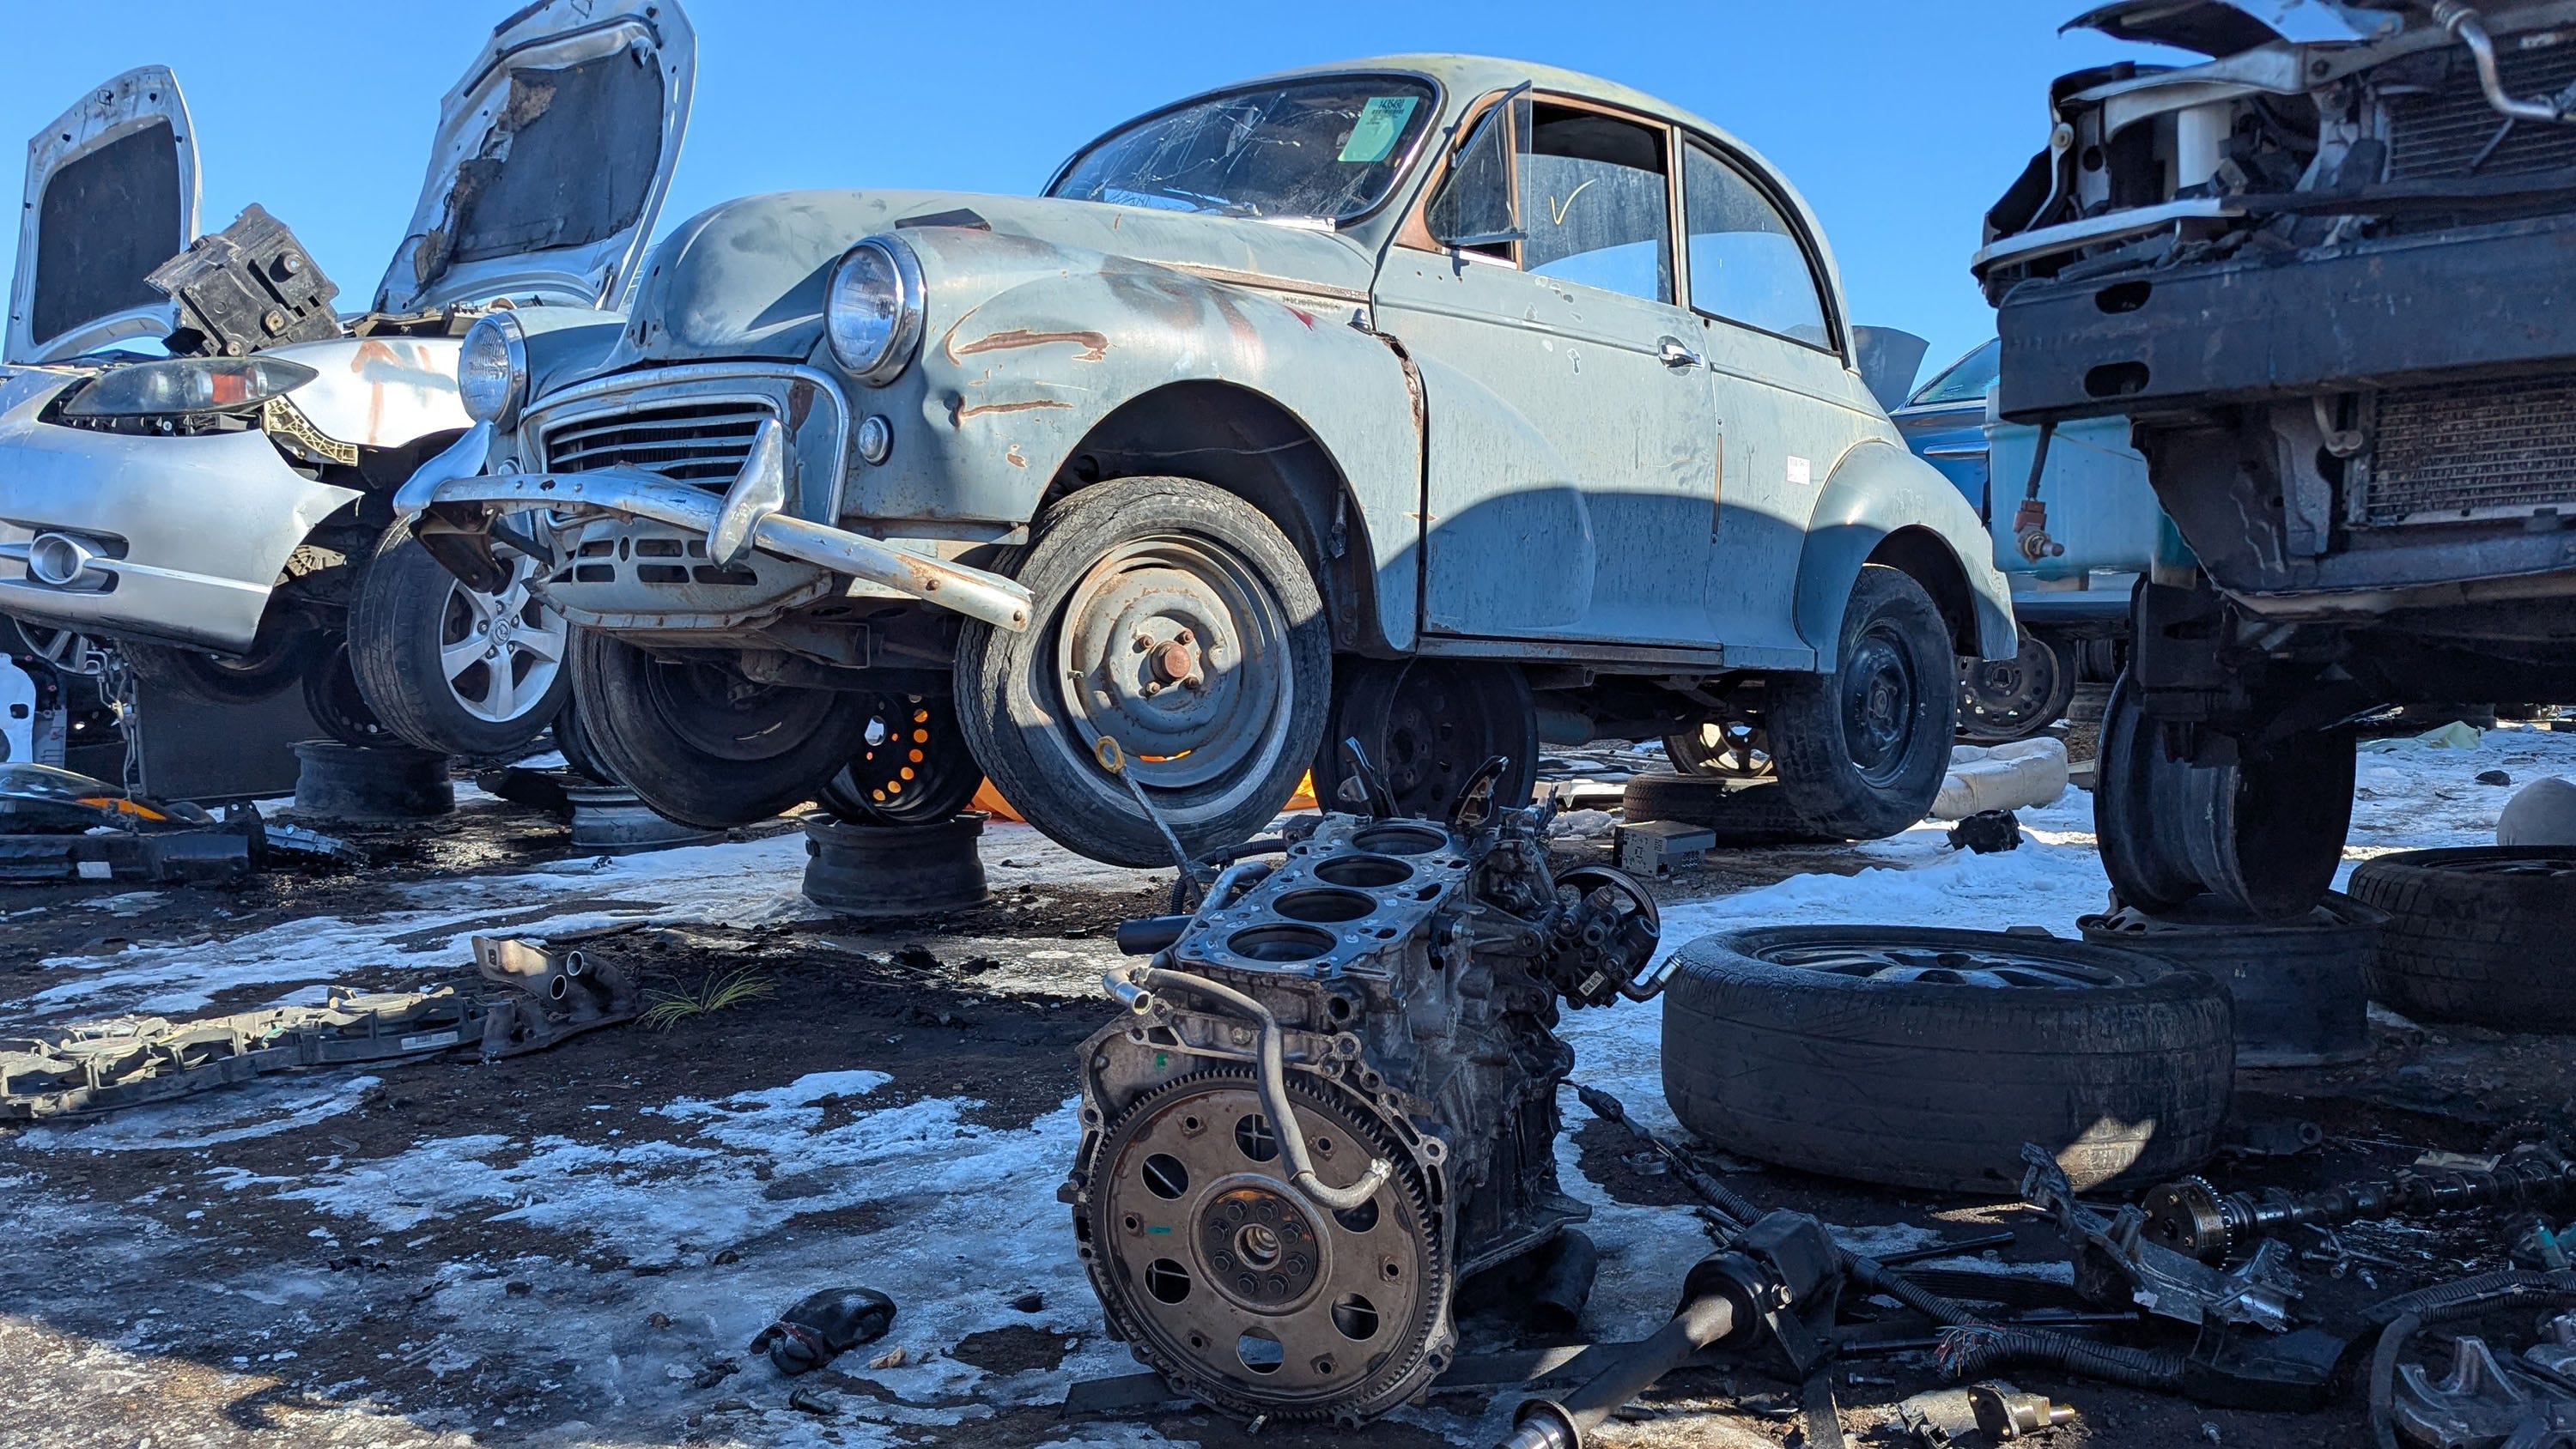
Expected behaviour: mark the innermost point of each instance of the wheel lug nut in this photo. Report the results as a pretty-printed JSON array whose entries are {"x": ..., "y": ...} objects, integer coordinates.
[
  {"x": 1185, "y": 637},
  {"x": 1152, "y": 688},
  {"x": 1143, "y": 641}
]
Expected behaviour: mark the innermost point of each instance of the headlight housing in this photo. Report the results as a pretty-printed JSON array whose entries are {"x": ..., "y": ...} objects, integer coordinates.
[
  {"x": 872, "y": 310},
  {"x": 187, "y": 385},
  {"x": 492, "y": 369}
]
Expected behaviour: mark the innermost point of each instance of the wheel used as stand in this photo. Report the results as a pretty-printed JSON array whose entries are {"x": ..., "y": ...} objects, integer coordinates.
[
  {"x": 895, "y": 870},
  {"x": 2002, "y": 700},
  {"x": 2297, "y": 985},
  {"x": 371, "y": 785},
  {"x": 1428, "y": 725},
  {"x": 2265, "y": 836},
  {"x": 610, "y": 820}
]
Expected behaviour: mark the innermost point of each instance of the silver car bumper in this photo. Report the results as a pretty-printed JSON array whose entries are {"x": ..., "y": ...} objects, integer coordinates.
[
  {"x": 747, "y": 518},
  {"x": 178, "y": 538}
]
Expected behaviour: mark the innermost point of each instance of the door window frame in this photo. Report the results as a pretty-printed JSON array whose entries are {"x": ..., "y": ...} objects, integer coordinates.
[{"x": 1838, "y": 335}]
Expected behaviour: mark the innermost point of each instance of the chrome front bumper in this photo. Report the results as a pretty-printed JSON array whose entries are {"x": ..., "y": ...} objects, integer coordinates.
[
  {"x": 185, "y": 537},
  {"x": 749, "y": 516}
]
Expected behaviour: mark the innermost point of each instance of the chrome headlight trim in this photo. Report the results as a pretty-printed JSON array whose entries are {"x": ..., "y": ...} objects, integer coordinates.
[
  {"x": 872, "y": 309},
  {"x": 492, "y": 370}
]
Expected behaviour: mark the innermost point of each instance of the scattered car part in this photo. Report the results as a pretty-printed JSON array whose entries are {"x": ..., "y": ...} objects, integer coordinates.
[
  {"x": 1926, "y": 1058},
  {"x": 913, "y": 766},
  {"x": 1387, "y": 988},
  {"x": 101, "y": 1066},
  {"x": 1781, "y": 1281},
  {"x": 248, "y": 287},
  {"x": 1734, "y": 813},
  {"x": 2479, "y": 1399},
  {"x": 1659, "y": 847},
  {"x": 371, "y": 785},
  {"x": 822, "y": 1326},
  {"x": 891, "y": 871},
  {"x": 556, "y": 989},
  {"x": 2191, "y": 1216},
  {"x": 2021, "y": 775},
  {"x": 2476, "y": 935},
  {"x": 1979, "y": 1416},
  {"x": 56, "y": 826},
  {"x": 2005, "y": 1413},
  {"x": 2297, "y": 985},
  {"x": 1988, "y": 832},
  {"x": 2265, "y": 835},
  {"x": 612, "y": 820},
  {"x": 2118, "y": 1260},
  {"x": 2542, "y": 813}
]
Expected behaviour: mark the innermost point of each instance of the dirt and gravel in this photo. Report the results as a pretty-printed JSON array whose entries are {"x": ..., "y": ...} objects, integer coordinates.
[{"x": 564, "y": 1248}]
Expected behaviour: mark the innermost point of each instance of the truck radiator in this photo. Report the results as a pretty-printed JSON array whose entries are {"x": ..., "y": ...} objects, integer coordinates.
[
  {"x": 2455, "y": 133},
  {"x": 2497, "y": 449}
]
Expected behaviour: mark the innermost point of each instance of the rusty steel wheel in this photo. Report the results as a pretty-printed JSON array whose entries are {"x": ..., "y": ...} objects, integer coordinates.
[{"x": 915, "y": 768}]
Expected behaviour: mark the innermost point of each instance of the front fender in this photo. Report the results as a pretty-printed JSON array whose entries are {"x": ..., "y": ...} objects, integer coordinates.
[
  {"x": 1007, "y": 388},
  {"x": 1877, "y": 491}
]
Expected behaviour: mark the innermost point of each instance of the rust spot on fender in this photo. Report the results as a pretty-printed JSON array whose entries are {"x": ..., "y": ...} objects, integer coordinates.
[
  {"x": 958, "y": 412},
  {"x": 1013, "y": 457},
  {"x": 1094, "y": 345}
]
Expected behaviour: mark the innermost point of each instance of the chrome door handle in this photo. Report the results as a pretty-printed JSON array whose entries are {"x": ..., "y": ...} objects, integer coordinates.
[{"x": 1675, "y": 354}]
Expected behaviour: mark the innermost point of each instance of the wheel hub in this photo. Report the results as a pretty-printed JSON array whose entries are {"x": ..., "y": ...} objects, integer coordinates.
[
  {"x": 1878, "y": 707},
  {"x": 500, "y": 652},
  {"x": 1171, "y": 648}
]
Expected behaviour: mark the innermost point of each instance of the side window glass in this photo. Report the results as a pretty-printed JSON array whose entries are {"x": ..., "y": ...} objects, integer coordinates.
[
  {"x": 1966, "y": 380},
  {"x": 1745, "y": 260},
  {"x": 1473, "y": 211},
  {"x": 1596, "y": 204}
]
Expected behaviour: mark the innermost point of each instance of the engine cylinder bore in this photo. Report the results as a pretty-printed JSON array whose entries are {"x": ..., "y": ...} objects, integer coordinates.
[
  {"x": 1282, "y": 945},
  {"x": 1325, "y": 907},
  {"x": 1363, "y": 872},
  {"x": 1402, "y": 839}
]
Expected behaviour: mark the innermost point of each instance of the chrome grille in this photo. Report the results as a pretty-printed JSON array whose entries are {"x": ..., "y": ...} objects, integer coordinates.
[
  {"x": 2474, "y": 450},
  {"x": 690, "y": 442},
  {"x": 2456, "y": 133}
]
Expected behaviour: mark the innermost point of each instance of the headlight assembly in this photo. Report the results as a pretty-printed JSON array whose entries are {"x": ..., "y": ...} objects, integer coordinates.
[
  {"x": 187, "y": 385},
  {"x": 492, "y": 369},
  {"x": 872, "y": 310}
]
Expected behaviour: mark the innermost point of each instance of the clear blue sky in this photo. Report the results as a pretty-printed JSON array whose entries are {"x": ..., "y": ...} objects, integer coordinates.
[{"x": 1899, "y": 119}]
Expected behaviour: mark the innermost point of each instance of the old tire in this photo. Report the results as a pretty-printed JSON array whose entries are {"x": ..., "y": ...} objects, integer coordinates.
[
  {"x": 2003, "y": 700},
  {"x": 451, "y": 669},
  {"x": 1873, "y": 1053},
  {"x": 332, "y": 697},
  {"x": 701, "y": 744},
  {"x": 573, "y": 742},
  {"x": 1142, "y": 585},
  {"x": 913, "y": 769},
  {"x": 1862, "y": 751},
  {"x": 277, "y": 660},
  {"x": 1427, "y": 726},
  {"x": 1738, "y": 814},
  {"x": 2478, "y": 935}
]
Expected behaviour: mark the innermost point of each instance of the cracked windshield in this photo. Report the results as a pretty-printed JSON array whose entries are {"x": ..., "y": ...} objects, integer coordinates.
[{"x": 1326, "y": 150}]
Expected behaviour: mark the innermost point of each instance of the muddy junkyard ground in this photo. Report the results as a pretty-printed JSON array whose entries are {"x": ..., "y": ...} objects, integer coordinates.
[{"x": 574, "y": 1247}]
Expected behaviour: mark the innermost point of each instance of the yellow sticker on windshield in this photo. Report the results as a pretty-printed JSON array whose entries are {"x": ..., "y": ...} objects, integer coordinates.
[{"x": 1380, "y": 125}]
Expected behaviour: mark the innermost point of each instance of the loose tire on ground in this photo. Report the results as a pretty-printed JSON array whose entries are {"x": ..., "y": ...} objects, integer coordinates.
[
  {"x": 701, "y": 744},
  {"x": 2480, "y": 935},
  {"x": 450, "y": 669},
  {"x": 1119, "y": 572},
  {"x": 1893, "y": 1067},
  {"x": 1737, "y": 814},
  {"x": 1862, "y": 751}
]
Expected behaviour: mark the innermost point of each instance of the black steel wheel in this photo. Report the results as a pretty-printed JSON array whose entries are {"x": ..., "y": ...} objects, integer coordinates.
[
  {"x": 2265, "y": 835},
  {"x": 914, "y": 769},
  {"x": 1862, "y": 750},
  {"x": 1428, "y": 725},
  {"x": 1732, "y": 749},
  {"x": 1926, "y": 1058},
  {"x": 332, "y": 697},
  {"x": 2002, "y": 700},
  {"x": 699, "y": 742}
]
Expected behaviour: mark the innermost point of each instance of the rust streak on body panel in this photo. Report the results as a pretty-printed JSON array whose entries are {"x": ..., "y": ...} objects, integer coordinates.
[
  {"x": 958, "y": 412},
  {"x": 1095, "y": 345}
]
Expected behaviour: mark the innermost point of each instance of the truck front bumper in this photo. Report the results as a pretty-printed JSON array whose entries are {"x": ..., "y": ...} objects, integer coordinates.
[{"x": 748, "y": 517}]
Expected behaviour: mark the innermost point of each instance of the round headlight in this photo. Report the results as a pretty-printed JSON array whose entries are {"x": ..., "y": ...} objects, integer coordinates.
[
  {"x": 492, "y": 370},
  {"x": 872, "y": 311}
]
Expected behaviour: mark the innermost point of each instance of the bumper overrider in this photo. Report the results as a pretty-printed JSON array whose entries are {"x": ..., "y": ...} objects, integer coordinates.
[{"x": 750, "y": 517}]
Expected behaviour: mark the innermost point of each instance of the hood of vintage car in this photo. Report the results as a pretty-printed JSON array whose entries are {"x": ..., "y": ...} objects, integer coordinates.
[
  {"x": 746, "y": 279},
  {"x": 2227, "y": 27}
]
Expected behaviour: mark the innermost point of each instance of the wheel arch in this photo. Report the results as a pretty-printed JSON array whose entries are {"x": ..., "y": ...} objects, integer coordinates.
[{"x": 1885, "y": 506}]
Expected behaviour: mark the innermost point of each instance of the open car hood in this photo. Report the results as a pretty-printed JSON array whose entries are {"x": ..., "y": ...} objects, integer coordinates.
[
  {"x": 111, "y": 194},
  {"x": 552, "y": 158},
  {"x": 2226, "y": 27}
]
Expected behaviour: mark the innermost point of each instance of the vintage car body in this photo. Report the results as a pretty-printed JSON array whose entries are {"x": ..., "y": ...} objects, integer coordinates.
[
  {"x": 2324, "y": 276},
  {"x": 1478, "y": 463},
  {"x": 227, "y": 533}
]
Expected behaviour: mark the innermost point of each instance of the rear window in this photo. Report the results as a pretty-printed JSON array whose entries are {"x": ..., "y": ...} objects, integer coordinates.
[{"x": 104, "y": 221}]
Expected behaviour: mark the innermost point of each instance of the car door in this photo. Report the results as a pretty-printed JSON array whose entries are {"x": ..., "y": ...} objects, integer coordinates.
[
  {"x": 111, "y": 194},
  {"x": 552, "y": 158},
  {"x": 1569, "y": 472},
  {"x": 1788, "y": 401}
]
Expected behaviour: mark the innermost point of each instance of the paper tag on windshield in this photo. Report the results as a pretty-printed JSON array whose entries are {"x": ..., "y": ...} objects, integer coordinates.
[{"x": 1380, "y": 124}]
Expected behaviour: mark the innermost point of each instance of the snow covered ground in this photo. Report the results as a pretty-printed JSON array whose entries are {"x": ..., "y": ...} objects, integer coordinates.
[{"x": 964, "y": 1214}]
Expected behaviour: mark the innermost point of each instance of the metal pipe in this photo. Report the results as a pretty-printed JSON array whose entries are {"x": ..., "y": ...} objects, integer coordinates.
[
  {"x": 2467, "y": 27},
  {"x": 1565, "y": 1423},
  {"x": 1133, "y": 985}
]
